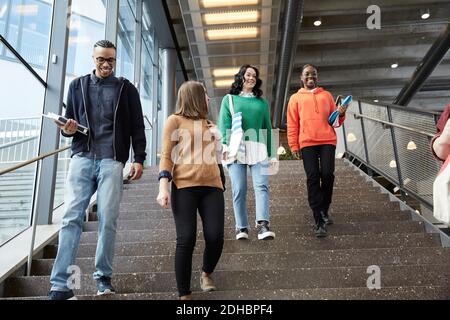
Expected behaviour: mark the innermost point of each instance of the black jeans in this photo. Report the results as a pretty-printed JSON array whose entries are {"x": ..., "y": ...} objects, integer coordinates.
[
  {"x": 319, "y": 167},
  {"x": 210, "y": 204}
]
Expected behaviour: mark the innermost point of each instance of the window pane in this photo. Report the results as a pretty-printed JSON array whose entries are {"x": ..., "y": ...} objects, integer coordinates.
[
  {"x": 146, "y": 92},
  {"x": 3, "y": 15},
  {"x": 87, "y": 26},
  {"x": 26, "y": 24},
  {"x": 125, "y": 41},
  {"x": 28, "y": 30}
]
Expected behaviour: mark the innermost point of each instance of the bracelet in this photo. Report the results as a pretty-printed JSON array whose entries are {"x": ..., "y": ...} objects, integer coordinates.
[{"x": 165, "y": 174}]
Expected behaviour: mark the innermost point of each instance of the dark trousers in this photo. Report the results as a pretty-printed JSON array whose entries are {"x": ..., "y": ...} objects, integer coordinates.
[
  {"x": 210, "y": 204},
  {"x": 319, "y": 167}
]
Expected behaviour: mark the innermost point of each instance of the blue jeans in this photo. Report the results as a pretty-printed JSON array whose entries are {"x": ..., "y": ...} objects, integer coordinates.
[
  {"x": 238, "y": 177},
  {"x": 84, "y": 178}
]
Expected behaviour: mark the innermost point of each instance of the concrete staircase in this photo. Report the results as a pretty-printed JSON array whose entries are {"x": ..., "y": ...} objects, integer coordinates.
[{"x": 369, "y": 230}]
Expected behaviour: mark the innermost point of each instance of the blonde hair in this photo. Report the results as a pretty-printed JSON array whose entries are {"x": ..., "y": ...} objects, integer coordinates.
[{"x": 191, "y": 101}]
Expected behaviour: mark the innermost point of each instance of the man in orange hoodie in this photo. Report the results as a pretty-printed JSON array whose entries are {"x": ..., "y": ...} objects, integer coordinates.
[{"x": 310, "y": 133}]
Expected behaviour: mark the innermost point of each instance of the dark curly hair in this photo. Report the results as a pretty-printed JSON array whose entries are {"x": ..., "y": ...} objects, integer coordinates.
[
  {"x": 105, "y": 44},
  {"x": 236, "y": 87}
]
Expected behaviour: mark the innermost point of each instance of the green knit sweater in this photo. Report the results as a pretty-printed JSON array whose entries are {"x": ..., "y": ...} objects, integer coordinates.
[{"x": 255, "y": 115}]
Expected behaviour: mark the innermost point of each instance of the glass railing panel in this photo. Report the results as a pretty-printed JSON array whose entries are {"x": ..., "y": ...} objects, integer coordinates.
[
  {"x": 16, "y": 198},
  {"x": 61, "y": 173}
]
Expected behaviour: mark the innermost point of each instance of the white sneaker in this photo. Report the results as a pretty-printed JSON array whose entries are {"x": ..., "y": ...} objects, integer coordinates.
[
  {"x": 264, "y": 232},
  {"x": 242, "y": 234}
]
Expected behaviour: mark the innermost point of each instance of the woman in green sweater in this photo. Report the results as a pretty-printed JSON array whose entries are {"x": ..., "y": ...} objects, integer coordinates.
[{"x": 255, "y": 151}]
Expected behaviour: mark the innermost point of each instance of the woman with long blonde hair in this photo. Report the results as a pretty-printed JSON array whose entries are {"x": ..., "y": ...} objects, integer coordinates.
[{"x": 193, "y": 169}]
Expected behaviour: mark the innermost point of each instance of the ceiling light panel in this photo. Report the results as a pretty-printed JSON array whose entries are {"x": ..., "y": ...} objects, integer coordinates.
[
  {"x": 231, "y": 17},
  {"x": 226, "y": 83},
  {"x": 228, "y": 3},
  {"x": 232, "y": 33},
  {"x": 225, "y": 72}
]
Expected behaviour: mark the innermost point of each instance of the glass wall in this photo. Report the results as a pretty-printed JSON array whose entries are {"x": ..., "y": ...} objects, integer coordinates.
[
  {"x": 146, "y": 82},
  {"x": 26, "y": 25},
  {"x": 87, "y": 26},
  {"x": 126, "y": 40},
  {"x": 3, "y": 15}
]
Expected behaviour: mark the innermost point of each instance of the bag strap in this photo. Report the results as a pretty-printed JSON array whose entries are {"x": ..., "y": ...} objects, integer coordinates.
[{"x": 230, "y": 104}]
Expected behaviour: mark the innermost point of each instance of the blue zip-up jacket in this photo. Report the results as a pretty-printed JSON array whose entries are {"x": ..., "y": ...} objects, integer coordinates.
[{"x": 128, "y": 120}]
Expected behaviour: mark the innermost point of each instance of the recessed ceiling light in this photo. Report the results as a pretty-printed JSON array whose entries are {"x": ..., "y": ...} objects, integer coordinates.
[
  {"x": 228, "y": 3},
  {"x": 318, "y": 22},
  {"x": 394, "y": 65},
  {"x": 231, "y": 17},
  {"x": 425, "y": 14},
  {"x": 226, "y": 83},
  {"x": 232, "y": 33},
  {"x": 225, "y": 72}
]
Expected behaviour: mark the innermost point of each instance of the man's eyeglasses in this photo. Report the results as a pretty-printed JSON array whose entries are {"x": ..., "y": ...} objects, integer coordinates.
[{"x": 101, "y": 60}]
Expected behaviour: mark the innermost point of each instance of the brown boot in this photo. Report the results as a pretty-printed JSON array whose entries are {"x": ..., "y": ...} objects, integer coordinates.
[
  {"x": 186, "y": 297},
  {"x": 206, "y": 283}
]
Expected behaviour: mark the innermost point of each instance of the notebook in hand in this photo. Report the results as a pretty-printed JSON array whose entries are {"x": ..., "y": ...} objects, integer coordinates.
[
  {"x": 333, "y": 120},
  {"x": 62, "y": 120}
]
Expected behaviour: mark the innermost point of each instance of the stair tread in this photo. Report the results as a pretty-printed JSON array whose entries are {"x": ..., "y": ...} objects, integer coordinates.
[{"x": 291, "y": 278}]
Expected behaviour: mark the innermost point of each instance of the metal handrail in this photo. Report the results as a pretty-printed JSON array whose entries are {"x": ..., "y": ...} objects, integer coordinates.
[
  {"x": 148, "y": 120},
  {"x": 22, "y": 60},
  {"x": 394, "y": 106},
  {"x": 31, "y": 161},
  {"x": 358, "y": 115},
  {"x": 16, "y": 143}
]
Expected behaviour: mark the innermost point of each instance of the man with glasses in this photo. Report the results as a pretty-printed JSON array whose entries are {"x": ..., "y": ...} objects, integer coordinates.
[{"x": 110, "y": 108}]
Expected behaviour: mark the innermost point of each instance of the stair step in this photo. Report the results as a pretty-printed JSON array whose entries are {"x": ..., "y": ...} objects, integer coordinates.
[
  {"x": 140, "y": 234},
  {"x": 270, "y": 260},
  {"x": 385, "y": 293},
  {"x": 300, "y": 219},
  {"x": 307, "y": 242},
  {"x": 335, "y": 207},
  {"x": 275, "y": 198},
  {"x": 338, "y": 216},
  {"x": 298, "y": 278}
]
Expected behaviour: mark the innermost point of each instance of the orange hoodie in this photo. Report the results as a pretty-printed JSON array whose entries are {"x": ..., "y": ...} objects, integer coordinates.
[{"x": 307, "y": 119}]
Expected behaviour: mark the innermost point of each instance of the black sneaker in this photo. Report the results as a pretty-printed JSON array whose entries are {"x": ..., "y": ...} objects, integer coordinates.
[
  {"x": 61, "y": 295},
  {"x": 242, "y": 234},
  {"x": 326, "y": 218},
  {"x": 320, "y": 231},
  {"x": 264, "y": 232},
  {"x": 104, "y": 286}
]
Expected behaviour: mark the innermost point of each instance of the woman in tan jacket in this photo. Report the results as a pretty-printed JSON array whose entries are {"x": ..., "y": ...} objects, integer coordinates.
[{"x": 189, "y": 161}]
